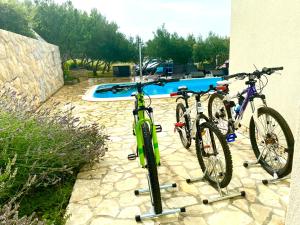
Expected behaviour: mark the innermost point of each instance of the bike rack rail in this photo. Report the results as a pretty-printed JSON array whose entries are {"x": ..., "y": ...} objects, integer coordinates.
[
  {"x": 224, "y": 193},
  {"x": 275, "y": 178},
  {"x": 152, "y": 214}
]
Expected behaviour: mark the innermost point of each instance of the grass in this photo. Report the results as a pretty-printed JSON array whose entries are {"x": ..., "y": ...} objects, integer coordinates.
[{"x": 50, "y": 204}]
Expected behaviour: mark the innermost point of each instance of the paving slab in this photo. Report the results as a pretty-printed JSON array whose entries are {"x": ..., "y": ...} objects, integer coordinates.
[{"x": 104, "y": 192}]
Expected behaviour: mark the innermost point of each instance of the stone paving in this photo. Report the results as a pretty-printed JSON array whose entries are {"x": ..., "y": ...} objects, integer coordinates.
[{"x": 104, "y": 195}]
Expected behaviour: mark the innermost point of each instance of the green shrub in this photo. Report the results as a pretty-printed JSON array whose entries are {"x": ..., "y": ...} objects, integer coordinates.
[
  {"x": 72, "y": 65},
  {"x": 49, "y": 147},
  {"x": 66, "y": 70}
]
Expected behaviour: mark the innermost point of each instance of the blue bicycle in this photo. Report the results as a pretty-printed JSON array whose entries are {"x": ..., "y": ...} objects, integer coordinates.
[{"x": 271, "y": 138}]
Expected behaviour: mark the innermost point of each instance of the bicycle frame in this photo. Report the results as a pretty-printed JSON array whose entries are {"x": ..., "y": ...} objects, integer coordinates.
[
  {"x": 139, "y": 119},
  {"x": 251, "y": 93},
  {"x": 199, "y": 112}
]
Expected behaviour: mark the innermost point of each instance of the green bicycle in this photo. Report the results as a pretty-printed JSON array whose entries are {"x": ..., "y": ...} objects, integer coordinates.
[{"x": 147, "y": 145}]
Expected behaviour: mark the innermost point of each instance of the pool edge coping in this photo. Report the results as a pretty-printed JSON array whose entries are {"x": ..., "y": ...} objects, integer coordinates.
[{"x": 89, "y": 94}]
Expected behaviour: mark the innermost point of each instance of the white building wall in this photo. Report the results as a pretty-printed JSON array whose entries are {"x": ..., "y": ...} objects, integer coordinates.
[{"x": 267, "y": 33}]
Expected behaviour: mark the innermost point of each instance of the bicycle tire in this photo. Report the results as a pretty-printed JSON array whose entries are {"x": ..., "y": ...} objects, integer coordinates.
[
  {"x": 271, "y": 137},
  {"x": 203, "y": 154},
  {"x": 223, "y": 111},
  {"x": 186, "y": 139},
  {"x": 152, "y": 170}
]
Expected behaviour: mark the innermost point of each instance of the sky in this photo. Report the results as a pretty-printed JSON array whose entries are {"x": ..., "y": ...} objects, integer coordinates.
[{"x": 143, "y": 17}]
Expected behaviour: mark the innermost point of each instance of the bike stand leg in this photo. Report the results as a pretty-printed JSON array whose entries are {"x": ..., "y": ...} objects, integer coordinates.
[
  {"x": 152, "y": 214},
  {"x": 274, "y": 180},
  {"x": 223, "y": 194},
  {"x": 162, "y": 187},
  {"x": 149, "y": 215},
  {"x": 254, "y": 162},
  {"x": 247, "y": 164}
]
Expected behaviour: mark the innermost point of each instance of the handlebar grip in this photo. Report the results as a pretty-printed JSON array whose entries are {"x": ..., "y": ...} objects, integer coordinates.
[
  {"x": 234, "y": 75},
  {"x": 168, "y": 80},
  {"x": 103, "y": 90},
  {"x": 276, "y": 68},
  {"x": 270, "y": 70},
  {"x": 173, "y": 80}
]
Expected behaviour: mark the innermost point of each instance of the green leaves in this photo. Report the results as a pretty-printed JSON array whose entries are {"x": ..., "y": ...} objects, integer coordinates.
[
  {"x": 212, "y": 48},
  {"x": 14, "y": 18},
  {"x": 167, "y": 46}
]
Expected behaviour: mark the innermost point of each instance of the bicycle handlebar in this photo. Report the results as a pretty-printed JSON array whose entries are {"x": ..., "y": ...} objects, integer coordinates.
[
  {"x": 257, "y": 73},
  {"x": 211, "y": 88},
  {"x": 117, "y": 88}
]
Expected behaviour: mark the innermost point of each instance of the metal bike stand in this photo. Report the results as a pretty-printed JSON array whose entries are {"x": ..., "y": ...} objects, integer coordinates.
[
  {"x": 149, "y": 215},
  {"x": 162, "y": 187},
  {"x": 224, "y": 194},
  {"x": 275, "y": 178},
  {"x": 152, "y": 214}
]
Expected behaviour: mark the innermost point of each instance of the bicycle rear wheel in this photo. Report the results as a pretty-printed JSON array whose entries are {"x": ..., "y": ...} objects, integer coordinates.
[
  {"x": 272, "y": 142},
  {"x": 152, "y": 170},
  {"x": 213, "y": 155},
  {"x": 184, "y": 131},
  {"x": 218, "y": 113}
]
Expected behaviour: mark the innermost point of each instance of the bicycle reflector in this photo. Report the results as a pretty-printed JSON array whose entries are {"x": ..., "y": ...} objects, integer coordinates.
[
  {"x": 221, "y": 88},
  {"x": 173, "y": 94},
  {"x": 179, "y": 124}
]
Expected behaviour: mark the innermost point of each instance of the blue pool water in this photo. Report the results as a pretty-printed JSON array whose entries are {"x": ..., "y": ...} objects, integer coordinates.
[{"x": 196, "y": 84}]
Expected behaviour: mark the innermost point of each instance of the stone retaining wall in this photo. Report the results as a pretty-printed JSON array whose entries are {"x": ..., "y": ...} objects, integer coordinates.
[{"x": 30, "y": 67}]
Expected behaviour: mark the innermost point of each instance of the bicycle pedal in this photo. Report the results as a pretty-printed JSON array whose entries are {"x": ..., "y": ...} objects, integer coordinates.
[
  {"x": 131, "y": 156},
  {"x": 230, "y": 137},
  {"x": 158, "y": 128}
]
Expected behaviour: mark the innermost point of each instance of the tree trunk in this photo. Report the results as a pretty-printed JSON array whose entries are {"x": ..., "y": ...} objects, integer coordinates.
[
  {"x": 104, "y": 68},
  {"x": 83, "y": 59},
  {"x": 108, "y": 67},
  {"x": 75, "y": 62},
  {"x": 94, "y": 69}
]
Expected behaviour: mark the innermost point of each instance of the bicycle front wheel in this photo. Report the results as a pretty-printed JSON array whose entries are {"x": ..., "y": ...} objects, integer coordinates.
[
  {"x": 152, "y": 170},
  {"x": 218, "y": 113},
  {"x": 184, "y": 130},
  {"x": 213, "y": 155},
  {"x": 272, "y": 142}
]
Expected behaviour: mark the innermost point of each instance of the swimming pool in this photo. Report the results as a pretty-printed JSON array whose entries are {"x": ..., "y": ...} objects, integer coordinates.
[{"x": 195, "y": 84}]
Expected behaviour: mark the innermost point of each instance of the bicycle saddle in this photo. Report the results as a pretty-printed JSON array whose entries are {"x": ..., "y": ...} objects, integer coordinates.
[
  {"x": 182, "y": 88},
  {"x": 223, "y": 82}
]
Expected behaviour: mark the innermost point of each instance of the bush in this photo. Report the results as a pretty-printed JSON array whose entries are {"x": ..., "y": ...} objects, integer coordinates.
[
  {"x": 47, "y": 149},
  {"x": 66, "y": 70}
]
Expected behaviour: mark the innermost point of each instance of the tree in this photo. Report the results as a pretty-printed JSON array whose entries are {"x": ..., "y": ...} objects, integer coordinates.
[
  {"x": 14, "y": 18},
  {"x": 168, "y": 46},
  {"x": 212, "y": 50},
  {"x": 62, "y": 25}
]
